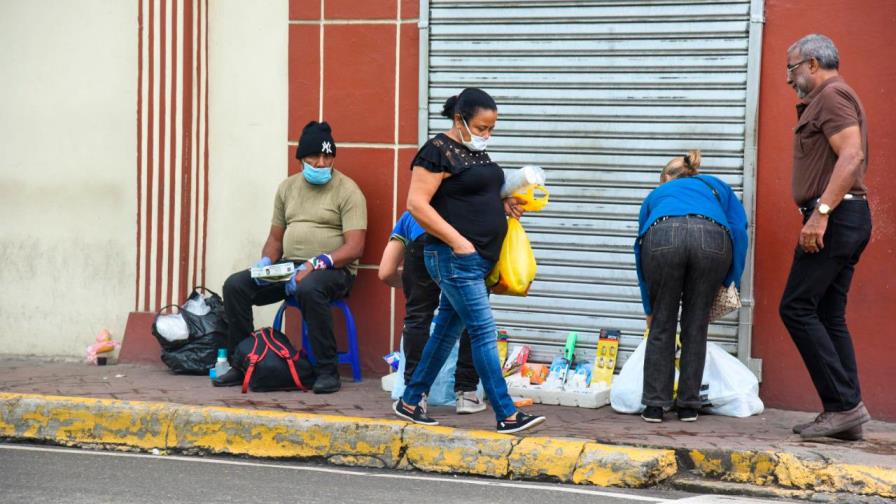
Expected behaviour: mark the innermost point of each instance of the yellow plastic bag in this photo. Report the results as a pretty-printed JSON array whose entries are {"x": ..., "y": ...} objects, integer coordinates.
[
  {"x": 529, "y": 201},
  {"x": 515, "y": 269}
]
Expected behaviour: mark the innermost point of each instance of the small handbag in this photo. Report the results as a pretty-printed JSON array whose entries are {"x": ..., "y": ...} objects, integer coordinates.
[{"x": 727, "y": 300}]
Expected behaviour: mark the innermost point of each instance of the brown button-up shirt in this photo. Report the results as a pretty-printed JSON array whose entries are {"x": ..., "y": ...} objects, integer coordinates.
[{"x": 827, "y": 110}]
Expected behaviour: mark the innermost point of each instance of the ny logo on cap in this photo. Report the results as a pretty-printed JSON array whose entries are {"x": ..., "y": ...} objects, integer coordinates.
[{"x": 326, "y": 147}]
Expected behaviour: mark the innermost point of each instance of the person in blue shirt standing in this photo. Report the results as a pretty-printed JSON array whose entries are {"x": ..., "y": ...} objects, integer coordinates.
[
  {"x": 421, "y": 296},
  {"x": 692, "y": 239}
]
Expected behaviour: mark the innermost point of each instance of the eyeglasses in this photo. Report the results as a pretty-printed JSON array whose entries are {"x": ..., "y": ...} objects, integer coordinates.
[{"x": 791, "y": 68}]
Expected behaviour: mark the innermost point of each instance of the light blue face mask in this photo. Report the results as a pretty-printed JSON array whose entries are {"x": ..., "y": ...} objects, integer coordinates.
[{"x": 316, "y": 176}]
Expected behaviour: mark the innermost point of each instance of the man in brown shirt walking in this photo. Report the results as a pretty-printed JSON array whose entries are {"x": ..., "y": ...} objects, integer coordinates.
[{"x": 830, "y": 156}]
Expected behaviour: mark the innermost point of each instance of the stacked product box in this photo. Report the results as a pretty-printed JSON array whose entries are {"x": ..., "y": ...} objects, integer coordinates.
[{"x": 564, "y": 381}]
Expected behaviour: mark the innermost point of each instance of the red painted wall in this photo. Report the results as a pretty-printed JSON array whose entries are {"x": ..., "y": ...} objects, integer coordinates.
[
  {"x": 865, "y": 33},
  {"x": 370, "y": 73}
]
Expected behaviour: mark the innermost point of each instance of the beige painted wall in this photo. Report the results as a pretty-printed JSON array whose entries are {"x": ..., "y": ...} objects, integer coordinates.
[
  {"x": 248, "y": 72},
  {"x": 67, "y": 172}
]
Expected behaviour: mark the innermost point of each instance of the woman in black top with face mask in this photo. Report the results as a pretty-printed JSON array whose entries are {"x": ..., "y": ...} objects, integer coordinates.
[{"x": 455, "y": 196}]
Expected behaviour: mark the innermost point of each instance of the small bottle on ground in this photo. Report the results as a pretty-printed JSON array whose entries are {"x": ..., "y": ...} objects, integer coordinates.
[{"x": 221, "y": 366}]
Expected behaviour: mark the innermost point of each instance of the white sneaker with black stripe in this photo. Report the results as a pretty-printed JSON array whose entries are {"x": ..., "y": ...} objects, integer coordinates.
[{"x": 468, "y": 402}]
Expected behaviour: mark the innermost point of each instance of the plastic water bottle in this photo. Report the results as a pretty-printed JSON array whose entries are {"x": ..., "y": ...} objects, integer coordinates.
[{"x": 221, "y": 366}]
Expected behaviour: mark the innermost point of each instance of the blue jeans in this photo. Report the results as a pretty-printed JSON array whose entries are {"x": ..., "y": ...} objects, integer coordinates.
[{"x": 463, "y": 303}]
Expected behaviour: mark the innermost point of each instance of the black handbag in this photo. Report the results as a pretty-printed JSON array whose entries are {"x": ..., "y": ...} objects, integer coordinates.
[
  {"x": 206, "y": 328},
  {"x": 270, "y": 362}
]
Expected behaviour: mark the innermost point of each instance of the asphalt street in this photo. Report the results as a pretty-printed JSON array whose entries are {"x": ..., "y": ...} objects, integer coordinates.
[{"x": 45, "y": 474}]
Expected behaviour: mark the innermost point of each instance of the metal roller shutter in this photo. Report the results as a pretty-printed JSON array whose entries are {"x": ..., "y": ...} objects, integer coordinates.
[{"x": 601, "y": 94}]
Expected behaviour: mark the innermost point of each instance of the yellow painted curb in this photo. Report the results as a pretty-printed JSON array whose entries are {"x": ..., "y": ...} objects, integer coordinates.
[
  {"x": 76, "y": 420},
  {"x": 606, "y": 465},
  {"x": 444, "y": 449},
  {"x": 391, "y": 444},
  {"x": 788, "y": 471},
  {"x": 271, "y": 434},
  {"x": 827, "y": 477},
  {"x": 539, "y": 457}
]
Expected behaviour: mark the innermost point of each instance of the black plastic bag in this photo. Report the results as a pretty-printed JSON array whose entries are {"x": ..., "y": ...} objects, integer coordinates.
[
  {"x": 270, "y": 362},
  {"x": 203, "y": 317},
  {"x": 205, "y": 314},
  {"x": 196, "y": 357}
]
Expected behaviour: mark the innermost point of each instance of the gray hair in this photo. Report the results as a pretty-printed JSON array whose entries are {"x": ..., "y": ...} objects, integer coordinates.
[{"x": 819, "y": 47}]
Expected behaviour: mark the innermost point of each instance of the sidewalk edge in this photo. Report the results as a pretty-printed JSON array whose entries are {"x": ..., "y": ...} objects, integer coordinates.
[
  {"x": 348, "y": 441},
  {"x": 395, "y": 444}
]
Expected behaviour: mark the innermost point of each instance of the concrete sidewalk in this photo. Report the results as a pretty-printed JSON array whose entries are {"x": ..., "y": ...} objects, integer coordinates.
[{"x": 357, "y": 427}]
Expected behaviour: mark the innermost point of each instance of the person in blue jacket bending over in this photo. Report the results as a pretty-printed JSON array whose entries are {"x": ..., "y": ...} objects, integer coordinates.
[{"x": 692, "y": 240}]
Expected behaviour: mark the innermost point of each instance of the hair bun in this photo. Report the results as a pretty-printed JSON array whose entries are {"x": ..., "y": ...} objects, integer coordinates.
[
  {"x": 450, "y": 105},
  {"x": 692, "y": 160}
]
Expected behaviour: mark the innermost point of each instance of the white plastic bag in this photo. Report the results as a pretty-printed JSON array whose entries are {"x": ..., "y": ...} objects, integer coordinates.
[
  {"x": 172, "y": 327},
  {"x": 731, "y": 388},
  {"x": 528, "y": 175},
  {"x": 442, "y": 391},
  {"x": 197, "y": 305},
  {"x": 628, "y": 387}
]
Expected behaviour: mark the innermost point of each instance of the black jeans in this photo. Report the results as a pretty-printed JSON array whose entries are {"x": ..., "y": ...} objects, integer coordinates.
[
  {"x": 684, "y": 261},
  {"x": 421, "y": 300},
  {"x": 313, "y": 294},
  {"x": 813, "y": 306}
]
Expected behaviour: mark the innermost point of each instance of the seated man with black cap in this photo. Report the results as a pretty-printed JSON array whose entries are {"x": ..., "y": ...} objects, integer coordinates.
[{"x": 319, "y": 224}]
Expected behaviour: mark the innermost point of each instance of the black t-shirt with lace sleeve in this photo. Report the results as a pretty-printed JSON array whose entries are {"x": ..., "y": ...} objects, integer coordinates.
[{"x": 470, "y": 199}]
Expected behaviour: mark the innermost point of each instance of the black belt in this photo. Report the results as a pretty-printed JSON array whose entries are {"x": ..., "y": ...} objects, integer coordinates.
[
  {"x": 667, "y": 217},
  {"x": 808, "y": 209}
]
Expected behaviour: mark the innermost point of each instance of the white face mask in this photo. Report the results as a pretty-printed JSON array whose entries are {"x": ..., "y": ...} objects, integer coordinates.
[{"x": 476, "y": 143}]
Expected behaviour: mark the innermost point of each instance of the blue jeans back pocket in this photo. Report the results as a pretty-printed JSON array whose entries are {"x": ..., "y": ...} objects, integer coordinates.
[
  {"x": 661, "y": 236},
  {"x": 713, "y": 240}
]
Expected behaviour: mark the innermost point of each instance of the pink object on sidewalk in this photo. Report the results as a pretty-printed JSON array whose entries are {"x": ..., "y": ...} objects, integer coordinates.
[{"x": 104, "y": 344}]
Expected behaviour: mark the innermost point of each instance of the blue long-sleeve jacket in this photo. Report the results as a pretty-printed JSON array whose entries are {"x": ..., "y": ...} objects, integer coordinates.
[{"x": 685, "y": 196}]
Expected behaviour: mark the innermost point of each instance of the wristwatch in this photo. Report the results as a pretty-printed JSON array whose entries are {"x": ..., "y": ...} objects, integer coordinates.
[{"x": 823, "y": 209}]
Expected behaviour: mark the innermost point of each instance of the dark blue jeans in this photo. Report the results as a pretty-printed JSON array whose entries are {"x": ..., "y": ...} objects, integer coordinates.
[
  {"x": 684, "y": 261},
  {"x": 813, "y": 306},
  {"x": 421, "y": 295},
  {"x": 464, "y": 302}
]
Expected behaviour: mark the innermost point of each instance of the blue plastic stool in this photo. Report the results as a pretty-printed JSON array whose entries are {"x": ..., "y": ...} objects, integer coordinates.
[{"x": 353, "y": 356}]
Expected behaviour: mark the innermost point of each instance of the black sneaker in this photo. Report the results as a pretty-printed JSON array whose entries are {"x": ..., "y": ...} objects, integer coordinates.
[
  {"x": 326, "y": 384},
  {"x": 521, "y": 423},
  {"x": 687, "y": 414},
  {"x": 231, "y": 378},
  {"x": 653, "y": 414},
  {"x": 418, "y": 416}
]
